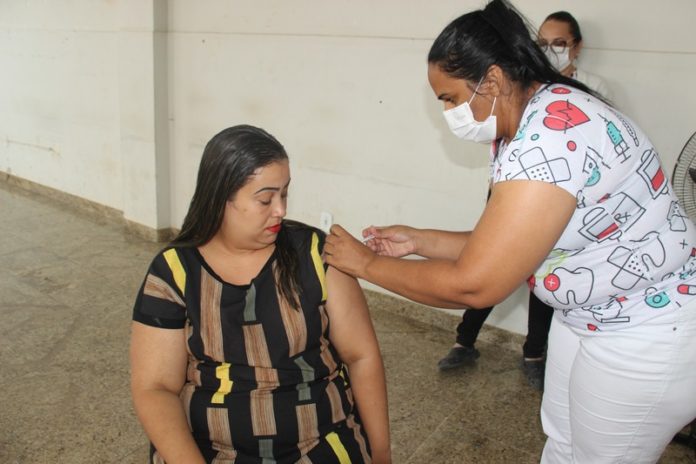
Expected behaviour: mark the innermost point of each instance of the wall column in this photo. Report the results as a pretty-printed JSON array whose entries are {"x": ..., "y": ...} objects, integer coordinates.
[{"x": 143, "y": 107}]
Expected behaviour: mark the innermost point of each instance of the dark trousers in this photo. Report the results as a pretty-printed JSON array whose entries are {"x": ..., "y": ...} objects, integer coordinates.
[{"x": 538, "y": 324}]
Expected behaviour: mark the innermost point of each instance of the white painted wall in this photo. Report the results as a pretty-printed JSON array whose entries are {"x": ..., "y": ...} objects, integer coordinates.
[
  {"x": 59, "y": 105},
  {"x": 341, "y": 84}
]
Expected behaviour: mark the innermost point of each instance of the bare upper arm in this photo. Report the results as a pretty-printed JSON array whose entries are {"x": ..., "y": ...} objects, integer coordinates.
[
  {"x": 520, "y": 225},
  {"x": 158, "y": 358},
  {"x": 351, "y": 329}
]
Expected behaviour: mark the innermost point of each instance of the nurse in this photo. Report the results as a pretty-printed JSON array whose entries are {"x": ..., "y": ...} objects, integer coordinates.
[{"x": 581, "y": 210}]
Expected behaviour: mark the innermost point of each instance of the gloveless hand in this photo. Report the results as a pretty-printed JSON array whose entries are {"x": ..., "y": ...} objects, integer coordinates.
[
  {"x": 346, "y": 253},
  {"x": 395, "y": 241}
]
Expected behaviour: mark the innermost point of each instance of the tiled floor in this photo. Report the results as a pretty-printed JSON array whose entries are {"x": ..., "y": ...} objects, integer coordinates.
[{"x": 67, "y": 282}]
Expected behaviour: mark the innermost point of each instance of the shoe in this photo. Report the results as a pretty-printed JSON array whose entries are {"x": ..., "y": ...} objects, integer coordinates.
[
  {"x": 534, "y": 372},
  {"x": 458, "y": 356}
]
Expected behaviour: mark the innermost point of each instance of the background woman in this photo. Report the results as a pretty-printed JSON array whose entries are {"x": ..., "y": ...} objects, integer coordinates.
[
  {"x": 581, "y": 209},
  {"x": 242, "y": 344},
  {"x": 561, "y": 40}
]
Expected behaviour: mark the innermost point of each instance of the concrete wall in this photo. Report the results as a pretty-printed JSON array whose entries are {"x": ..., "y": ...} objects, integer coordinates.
[{"x": 114, "y": 100}]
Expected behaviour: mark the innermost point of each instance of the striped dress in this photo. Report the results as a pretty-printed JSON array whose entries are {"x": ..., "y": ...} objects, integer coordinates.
[{"x": 264, "y": 383}]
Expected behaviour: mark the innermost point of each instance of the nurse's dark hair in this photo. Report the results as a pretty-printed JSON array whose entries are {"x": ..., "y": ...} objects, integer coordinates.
[
  {"x": 229, "y": 161},
  {"x": 565, "y": 17},
  {"x": 496, "y": 35}
]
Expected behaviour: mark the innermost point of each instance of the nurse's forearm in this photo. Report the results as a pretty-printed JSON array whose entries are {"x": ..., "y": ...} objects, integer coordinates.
[
  {"x": 433, "y": 282},
  {"x": 440, "y": 244}
]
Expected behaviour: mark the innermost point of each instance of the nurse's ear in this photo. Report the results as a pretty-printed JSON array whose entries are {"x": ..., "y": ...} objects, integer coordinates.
[{"x": 495, "y": 83}]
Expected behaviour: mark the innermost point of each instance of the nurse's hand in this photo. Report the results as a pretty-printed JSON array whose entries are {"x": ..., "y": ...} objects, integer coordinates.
[
  {"x": 346, "y": 253},
  {"x": 394, "y": 241}
]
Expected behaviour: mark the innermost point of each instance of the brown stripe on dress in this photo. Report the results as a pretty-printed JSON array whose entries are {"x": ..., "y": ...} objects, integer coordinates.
[
  {"x": 225, "y": 454},
  {"x": 307, "y": 427},
  {"x": 325, "y": 353},
  {"x": 262, "y": 416},
  {"x": 337, "y": 414},
  {"x": 259, "y": 357},
  {"x": 219, "y": 428},
  {"x": 211, "y": 327},
  {"x": 349, "y": 395},
  {"x": 293, "y": 319},
  {"x": 158, "y": 288},
  {"x": 355, "y": 427}
]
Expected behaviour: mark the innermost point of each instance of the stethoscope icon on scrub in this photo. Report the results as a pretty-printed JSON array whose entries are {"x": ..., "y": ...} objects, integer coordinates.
[{"x": 656, "y": 300}]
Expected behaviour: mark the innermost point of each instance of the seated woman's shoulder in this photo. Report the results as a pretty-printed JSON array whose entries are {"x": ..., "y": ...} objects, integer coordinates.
[{"x": 300, "y": 234}]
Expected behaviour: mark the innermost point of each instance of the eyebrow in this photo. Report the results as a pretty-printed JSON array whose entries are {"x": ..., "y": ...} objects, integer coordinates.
[{"x": 272, "y": 189}]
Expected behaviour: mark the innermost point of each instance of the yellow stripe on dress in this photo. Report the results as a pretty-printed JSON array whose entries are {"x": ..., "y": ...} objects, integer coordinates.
[
  {"x": 338, "y": 448},
  {"x": 222, "y": 372},
  {"x": 319, "y": 265},
  {"x": 177, "y": 269}
]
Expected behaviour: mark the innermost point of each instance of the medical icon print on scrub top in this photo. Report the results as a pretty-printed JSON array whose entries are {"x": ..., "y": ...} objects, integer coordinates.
[
  {"x": 655, "y": 299},
  {"x": 608, "y": 313},
  {"x": 536, "y": 166},
  {"x": 619, "y": 264},
  {"x": 563, "y": 115},
  {"x": 637, "y": 262},
  {"x": 523, "y": 127},
  {"x": 651, "y": 172},
  {"x": 629, "y": 128},
  {"x": 570, "y": 287},
  {"x": 591, "y": 167},
  {"x": 676, "y": 217},
  {"x": 613, "y": 216}
]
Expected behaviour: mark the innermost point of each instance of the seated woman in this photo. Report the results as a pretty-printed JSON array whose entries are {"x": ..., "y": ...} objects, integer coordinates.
[{"x": 246, "y": 347}]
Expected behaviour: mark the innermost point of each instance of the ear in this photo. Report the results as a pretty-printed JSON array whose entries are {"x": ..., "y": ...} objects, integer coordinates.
[
  {"x": 576, "y": 50},
  {"x": 494, "y": 81}
]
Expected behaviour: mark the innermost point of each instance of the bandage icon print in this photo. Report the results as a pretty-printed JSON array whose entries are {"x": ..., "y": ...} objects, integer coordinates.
[
  {"x": 535, "y": 166},
  {"x": 631, "y": 270}
]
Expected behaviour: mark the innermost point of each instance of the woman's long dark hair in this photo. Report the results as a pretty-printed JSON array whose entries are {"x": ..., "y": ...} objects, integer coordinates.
[
  {"x": 497, "y": 35},
  {"x": 229, "y": 160}
]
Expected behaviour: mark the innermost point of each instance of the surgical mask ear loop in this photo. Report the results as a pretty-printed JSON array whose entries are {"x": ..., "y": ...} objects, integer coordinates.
[
  {"x": 476, "y": 90},
  {"x": 476, "y": 93}
]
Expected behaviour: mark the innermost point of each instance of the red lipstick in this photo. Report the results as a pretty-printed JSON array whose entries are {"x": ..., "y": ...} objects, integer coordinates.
[{"x": 274, "y": 229}]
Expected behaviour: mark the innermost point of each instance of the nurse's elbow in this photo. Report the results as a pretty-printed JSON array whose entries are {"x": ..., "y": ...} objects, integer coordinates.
[{"x": 483, "y": 298}]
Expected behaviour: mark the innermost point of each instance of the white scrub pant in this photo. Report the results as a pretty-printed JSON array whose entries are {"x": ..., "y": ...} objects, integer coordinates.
[{"x": 620, "y": 396}]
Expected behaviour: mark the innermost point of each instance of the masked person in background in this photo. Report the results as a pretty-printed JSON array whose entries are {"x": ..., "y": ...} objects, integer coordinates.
[{"x": 561, "y": 40}]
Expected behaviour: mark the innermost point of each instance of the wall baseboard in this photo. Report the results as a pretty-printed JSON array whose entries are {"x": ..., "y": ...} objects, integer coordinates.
[{"x": 87, "y": 207}]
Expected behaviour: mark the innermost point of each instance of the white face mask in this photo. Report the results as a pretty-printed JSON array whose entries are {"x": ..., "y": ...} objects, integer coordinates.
[
  {"x": 461, "y": 122},
  {"x": 559, "y": 58}
]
